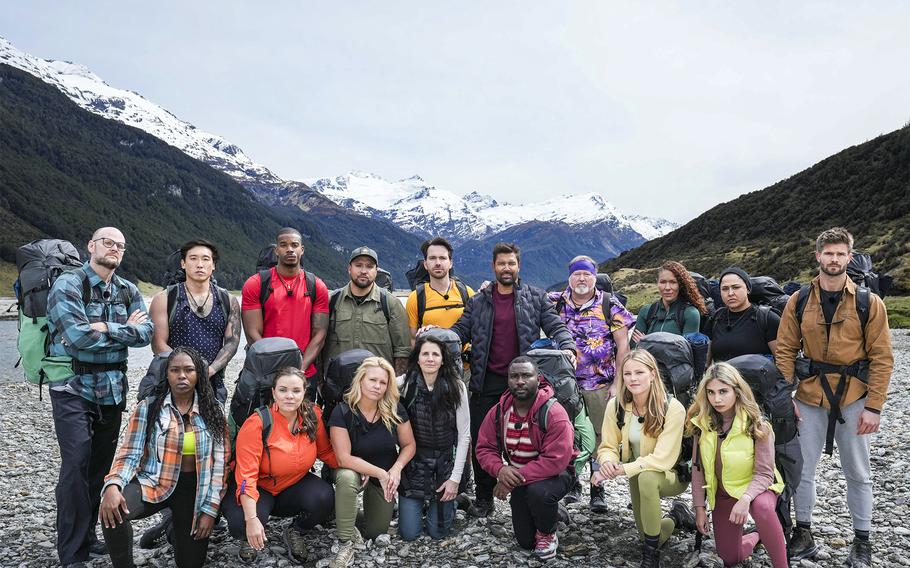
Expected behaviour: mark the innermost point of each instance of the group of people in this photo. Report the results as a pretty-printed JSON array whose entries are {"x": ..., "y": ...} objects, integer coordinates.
[{"x": 409, "y": 422}]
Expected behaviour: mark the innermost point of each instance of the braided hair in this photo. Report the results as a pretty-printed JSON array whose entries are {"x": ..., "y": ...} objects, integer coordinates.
[{"x": 209, "y": 408}]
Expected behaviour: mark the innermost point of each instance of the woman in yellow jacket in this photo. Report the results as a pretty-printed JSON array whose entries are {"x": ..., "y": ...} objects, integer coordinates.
[
  {"x": 735, "y": 457},
  {"x": 642, "y": 442}
]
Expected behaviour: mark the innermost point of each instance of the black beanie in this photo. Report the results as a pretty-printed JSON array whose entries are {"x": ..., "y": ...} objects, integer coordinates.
[{"x": 739, "y": 272}]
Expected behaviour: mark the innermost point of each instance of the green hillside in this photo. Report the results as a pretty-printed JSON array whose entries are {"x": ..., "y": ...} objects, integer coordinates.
[
  {"x": 65, "y": 171},
  {"x": 865, "y": 188}
]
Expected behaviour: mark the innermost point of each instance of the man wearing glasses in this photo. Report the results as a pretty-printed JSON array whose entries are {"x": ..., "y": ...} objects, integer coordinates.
[{"x": 93, "y": 318}]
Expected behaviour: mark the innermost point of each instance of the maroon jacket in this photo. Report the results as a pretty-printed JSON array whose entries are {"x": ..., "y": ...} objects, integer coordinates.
[{"x": 556, "y": 446}]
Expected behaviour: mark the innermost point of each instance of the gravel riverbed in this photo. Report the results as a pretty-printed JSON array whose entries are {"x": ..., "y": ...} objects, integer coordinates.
[{"x": 29, "y": 463}]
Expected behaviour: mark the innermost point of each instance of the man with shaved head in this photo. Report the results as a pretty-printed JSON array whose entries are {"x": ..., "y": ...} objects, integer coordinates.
[
  {"x": 93, "y": 318},
  {"x": 287, "y": 301}
]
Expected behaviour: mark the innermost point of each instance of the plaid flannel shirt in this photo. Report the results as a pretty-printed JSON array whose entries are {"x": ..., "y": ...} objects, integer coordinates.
[
  {"x": 155, "y": 462},
  {"x": 69, "y": 320}
]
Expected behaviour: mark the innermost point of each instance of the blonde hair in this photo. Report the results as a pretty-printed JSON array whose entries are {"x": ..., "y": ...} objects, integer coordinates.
[
  {"x": 703, "y": 412},
  {"x": 388, "y": 405},
  {"x": 655, "y": 413}
]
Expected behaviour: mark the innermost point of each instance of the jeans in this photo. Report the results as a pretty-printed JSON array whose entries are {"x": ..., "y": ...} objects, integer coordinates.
[
  {"x": 535, "y": 507},
  {"x": 310, "y": 499},
  {"x": 87, "y": 435},
  {"x": 188, "y": 552},
  {"x": 411, "y": 518}
]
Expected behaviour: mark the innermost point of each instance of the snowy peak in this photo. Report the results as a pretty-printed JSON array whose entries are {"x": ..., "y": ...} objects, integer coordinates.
[
  {"x": 420, "y": 208},
  {"x": 90, "y": 92}
]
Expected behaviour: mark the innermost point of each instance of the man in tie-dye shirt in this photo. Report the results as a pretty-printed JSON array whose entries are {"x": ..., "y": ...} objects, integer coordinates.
[{"x": 601, "y": 337}]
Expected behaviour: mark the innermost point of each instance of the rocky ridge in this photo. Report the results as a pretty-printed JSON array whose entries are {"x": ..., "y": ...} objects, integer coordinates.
[{"x": 29, "y": 460}]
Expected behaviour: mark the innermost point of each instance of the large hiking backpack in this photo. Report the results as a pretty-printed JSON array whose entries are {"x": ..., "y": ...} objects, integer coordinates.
[
  {"x": 767, "y": 292},
  {"x": 773, "y": 393},
  {"x": 156, "y": 373},
  {"x": 860, "y": 271},
  {"x": 453, "y": 345},
  {"x": 339, "y": 374},
  {"x": 39, "y": 263},
  {"x": 384, "y": 279},
  {"x": 263, "y": 361},
  {"x": 675, "y": 361},
  {"x": 558, "y": 370},
  {"x": 704, "y": 289}
]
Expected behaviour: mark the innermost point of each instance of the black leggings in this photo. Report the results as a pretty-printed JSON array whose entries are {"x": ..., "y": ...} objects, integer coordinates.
[
  {"x": 535, "y": 507},
  {"x": 188, "y": 552},
  {"x": 310, "y": 499}
]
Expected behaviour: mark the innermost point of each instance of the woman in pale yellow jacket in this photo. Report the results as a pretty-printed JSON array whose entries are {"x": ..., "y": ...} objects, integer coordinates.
[{"x": 641, "y": 440}]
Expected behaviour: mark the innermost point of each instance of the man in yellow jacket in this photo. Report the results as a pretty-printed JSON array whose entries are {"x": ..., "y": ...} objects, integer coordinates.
[{"x": 843, "y": 373}]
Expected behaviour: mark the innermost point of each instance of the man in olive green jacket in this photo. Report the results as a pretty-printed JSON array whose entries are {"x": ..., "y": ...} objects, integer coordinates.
[
  {"x": 843, "y": 378},
  {"x": 366, "y": 316}
]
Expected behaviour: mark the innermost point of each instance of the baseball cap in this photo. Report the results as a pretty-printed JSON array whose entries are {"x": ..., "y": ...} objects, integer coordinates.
[{"x": 364, "y": 251}]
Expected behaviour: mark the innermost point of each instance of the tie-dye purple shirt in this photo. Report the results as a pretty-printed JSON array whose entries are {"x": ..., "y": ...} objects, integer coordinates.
[{"x": 594, "y": 336}]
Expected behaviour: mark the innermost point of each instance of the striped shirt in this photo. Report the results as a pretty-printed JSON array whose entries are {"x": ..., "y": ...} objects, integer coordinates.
[
  {"x": 155, "y": 462},
  {"x": 519, "y": 448},
  {"x": 69, "y": 322}
]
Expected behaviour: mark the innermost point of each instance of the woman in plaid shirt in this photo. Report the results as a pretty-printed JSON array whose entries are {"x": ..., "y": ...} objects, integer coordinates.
[{"x": 175, "y": 460}]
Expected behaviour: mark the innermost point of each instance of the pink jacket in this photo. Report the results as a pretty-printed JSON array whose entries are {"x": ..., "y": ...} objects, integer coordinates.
[{"x": 556, "y": 446}]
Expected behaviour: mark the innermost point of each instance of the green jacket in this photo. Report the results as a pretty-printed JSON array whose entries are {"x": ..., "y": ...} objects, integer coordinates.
[{"x": 364, "y": 326}]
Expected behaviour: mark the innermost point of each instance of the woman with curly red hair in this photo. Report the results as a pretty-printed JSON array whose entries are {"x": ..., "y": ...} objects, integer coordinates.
[{"x": 680, "y": 307}]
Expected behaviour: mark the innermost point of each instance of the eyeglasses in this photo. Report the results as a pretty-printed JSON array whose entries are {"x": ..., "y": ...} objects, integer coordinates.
[{"x": 111, "y": 243}]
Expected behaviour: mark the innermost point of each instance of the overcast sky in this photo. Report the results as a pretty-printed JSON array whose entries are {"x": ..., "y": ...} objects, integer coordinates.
[{"x": 666, "y": 109}]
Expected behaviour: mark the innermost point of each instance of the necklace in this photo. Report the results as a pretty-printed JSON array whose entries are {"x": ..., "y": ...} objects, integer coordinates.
[
  {"x": 742, "y": 314},
  {"x": 200, "y": 307},
  {"x": 444, "y": 296},
  {"x": 287, "y": 287},
  {"x": 373, "y": 419}
]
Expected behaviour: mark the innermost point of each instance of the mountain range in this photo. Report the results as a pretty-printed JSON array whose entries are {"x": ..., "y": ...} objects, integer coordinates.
[{"x": 361, "y": 208}]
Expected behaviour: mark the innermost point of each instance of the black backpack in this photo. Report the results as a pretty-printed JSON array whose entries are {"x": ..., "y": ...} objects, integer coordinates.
[
  {"x": 263, "y": 361},
  {"x": 421, "y": 291},
  {"x": 339, "y": 374},
  {"x": 860, "y": 271},
  {"x": 384, "y": 279},
  {"x": 157, "y": 372},
  {"x": 453, "y": 344},
  {"x": 675, "y": 361},
  {"x": 558, "y": 370}
]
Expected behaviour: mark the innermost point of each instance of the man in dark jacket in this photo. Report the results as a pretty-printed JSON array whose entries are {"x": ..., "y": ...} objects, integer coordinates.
[
  {"x": 537, "y": 470},
  {"x": 501, "y": 322}
]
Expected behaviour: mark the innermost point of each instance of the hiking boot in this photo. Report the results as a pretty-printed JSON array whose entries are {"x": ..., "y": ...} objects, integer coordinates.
[
  {"x": 481, "y": 508},
  {"x": 650, "y": 556},
  {"x": 598, "y": 502},
  {"x": 295, "y": 544},
  {"x": 545, "y": 545},
  {"x": 463, "y": 502},
  {"x": 155, "y": 535},
  {"x": 682, "y": 516},
  {"x": 860, "y": 554},
  {"x": 802, "y": 545},
  {"x": 345, "y": 555},
  {"x": 247, "y": 554},
  {"x": 574, "y": 494}
]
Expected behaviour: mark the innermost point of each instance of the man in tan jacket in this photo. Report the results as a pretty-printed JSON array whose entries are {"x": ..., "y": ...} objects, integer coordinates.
[{"x": 834, "y": 339}]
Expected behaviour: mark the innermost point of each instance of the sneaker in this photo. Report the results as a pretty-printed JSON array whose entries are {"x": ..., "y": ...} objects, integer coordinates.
[
  {"x": 860, "y": 554},
  {"x": 295, "y": 544},
  {"x": 545, "y": 545},
  {"x": 155, "y": 535},
  {"x": 247, "y": 554},
  {"x": 598, "y": 502},
  {"x": 481, "y": 508},
  {"x": 574, "y": 494},
  {"x": 802, "y": 545},
  {"x": 345, "y": 555},
  {"x": 682, "y": 516}
]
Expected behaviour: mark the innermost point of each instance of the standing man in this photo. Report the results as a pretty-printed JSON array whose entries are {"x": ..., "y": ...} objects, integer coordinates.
[
  {"x": 198, "y": 314},
  {"x": 93, "y": 318},
  {"x": 843, "y": 376},
  {"x": 528, "y": 461},
  {"x": 440, "y": 301},
  {"x": 366, "y": 316},
  {"x": 600, "y": 325},
  {"x": 287, "y": 301},
  {"x": 501, "y": 322}
]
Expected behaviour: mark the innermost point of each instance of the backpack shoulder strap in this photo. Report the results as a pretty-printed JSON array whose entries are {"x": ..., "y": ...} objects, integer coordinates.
[
  {"x": 310, "y": 280},
  {"x": 421, "y": 291},
  {"x": 801, "y": 300},
  {"x": 172, "y": 292},
  {"x": 125, "y": 296},
  {"x": 542, "y": 414},
  {"x": 651, "y": 315},
  {"x": 462, "y": 291},
  {"x": 408, "y": 391},
  {"x": 265, "y": 287},
  {"x": 497, "y": 422},
  {"x": 680, "y": 316},
  {"x": 86, "y": 288},
  {"x": 606, "y": 305},
  {"x": 384, "y": 303},
  {"x": 225, "y": 298},
  {"x": 862, "y": 305},
  {"x": 266, "y": 417},
  {"x": 620, "y": 415},
  {"x": 762, "y": 313}
]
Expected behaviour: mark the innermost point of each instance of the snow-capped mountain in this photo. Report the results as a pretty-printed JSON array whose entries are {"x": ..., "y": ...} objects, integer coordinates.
[
  {"x": 90, "y": 92},
  {"x": 426, "y": 210}
]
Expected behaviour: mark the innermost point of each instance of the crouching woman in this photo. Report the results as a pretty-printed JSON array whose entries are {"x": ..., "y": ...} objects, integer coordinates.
[
  {"x": 735, "y": 468},
  {"x": 173, "y": 456}
]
